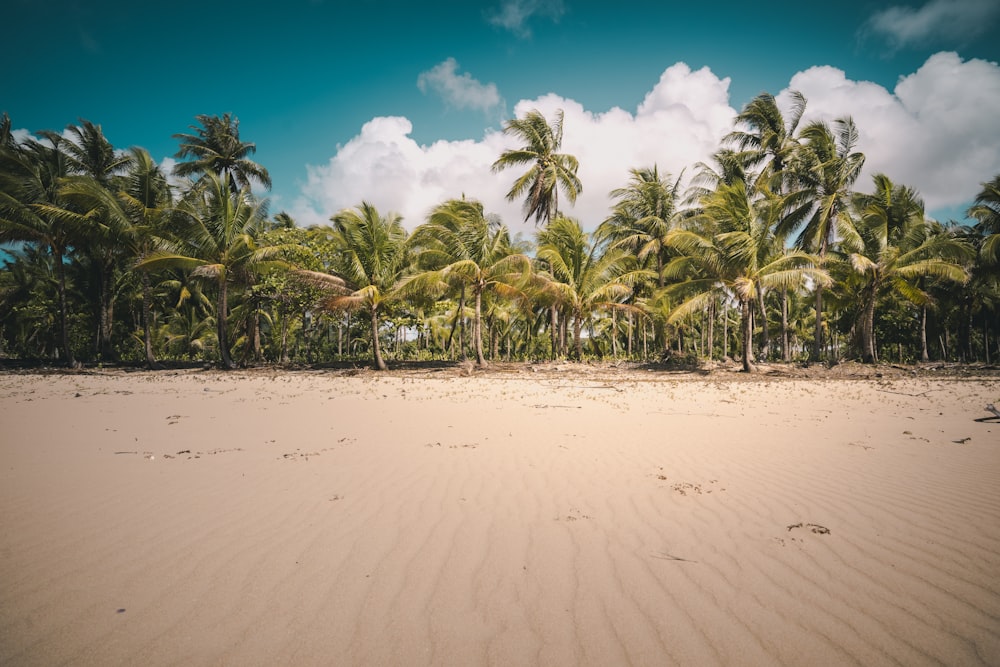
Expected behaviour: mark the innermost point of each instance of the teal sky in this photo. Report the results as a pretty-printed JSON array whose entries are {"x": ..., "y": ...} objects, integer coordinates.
[{"x": 304, "y": 76}]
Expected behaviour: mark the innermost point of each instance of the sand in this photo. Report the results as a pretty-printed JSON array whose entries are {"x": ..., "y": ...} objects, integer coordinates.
[{"x": 321, "y": 518}]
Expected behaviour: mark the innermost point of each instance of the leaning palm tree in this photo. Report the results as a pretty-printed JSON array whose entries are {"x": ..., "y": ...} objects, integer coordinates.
[
  {"x": 373, "y": 254},
  {"x": 549, "y": 170},
  {"x": 893, "y": 250},
  {"x": 732, "y": 255},
  {"x": 217, "y": 241},
  {"x": 826, "y": 167},
  {"x": 216, "y": 148},
  {"x": 464, "y": 248}
]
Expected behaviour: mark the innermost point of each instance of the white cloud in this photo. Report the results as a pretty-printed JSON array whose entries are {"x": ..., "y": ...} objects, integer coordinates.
[
  {"x": 679, "y": 123},
  {"x": 513, "y": 15},
  {"x": 938, "y": 131},
  {"x": 460, "y": 91},
  {"x": 937, "y": 20}
]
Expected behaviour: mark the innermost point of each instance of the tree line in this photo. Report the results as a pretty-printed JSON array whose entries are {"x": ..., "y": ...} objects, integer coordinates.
[{"x": 771, "y": 253}]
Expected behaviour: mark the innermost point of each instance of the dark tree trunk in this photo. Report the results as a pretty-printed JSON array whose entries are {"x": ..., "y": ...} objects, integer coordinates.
[
  {"x": 63, "y": 308},
  {"x": 379, "y": 363},
  {"x": 220, "y": 319},
  {"x": 785, "y": 351},
  {"x": 746, "y": 324},
  {"x": 817, "y": 353},
  {"x": 147, "y": 334}
]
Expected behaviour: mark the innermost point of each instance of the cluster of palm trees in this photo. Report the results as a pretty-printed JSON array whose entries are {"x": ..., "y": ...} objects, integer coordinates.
[{"x": 770, "y": 253}]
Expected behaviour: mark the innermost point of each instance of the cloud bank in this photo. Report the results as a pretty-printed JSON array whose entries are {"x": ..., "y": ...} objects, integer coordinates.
[{"x": 937, "y": 131}]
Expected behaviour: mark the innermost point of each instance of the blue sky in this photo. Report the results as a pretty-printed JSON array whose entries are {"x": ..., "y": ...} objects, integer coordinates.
[{"x": 311, "y": 79}]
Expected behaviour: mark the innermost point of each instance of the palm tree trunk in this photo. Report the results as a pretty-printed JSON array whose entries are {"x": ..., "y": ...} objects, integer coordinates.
[
  {"x": 147, "y": 335},
  {"x": 924, "y": 355},
  {"x": 577, "y": 337},
  {"x": 746, "y": 323},
  {"x": 376, "y": 347},
  {"x": 765, "y": 335},
  {"x": 785, "y": 351},
  {"x": 63, "y": 309},
  {"x": 477, "y": 330},
  {"x": 868, "y": 330},
  {"x": 220, "y": 318},
  {"x": 817, "y": 354},
  {"x": 614, "y": 334},
  {"x": 710, "y": 344},
  {"x": 554, "y": 329}
]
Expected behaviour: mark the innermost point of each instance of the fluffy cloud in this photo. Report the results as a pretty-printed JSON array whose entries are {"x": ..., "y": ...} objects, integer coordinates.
[
  {"x": 937, "y": 131},
  {"x": 680, "y": 122},
  {"x": 937, "y": 20},
  {"x": 513, "y": 15},
  {"x": 460, "y": 91}
]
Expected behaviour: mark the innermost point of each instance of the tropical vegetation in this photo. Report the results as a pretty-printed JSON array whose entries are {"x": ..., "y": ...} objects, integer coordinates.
[{"x": 773, "y": 251}]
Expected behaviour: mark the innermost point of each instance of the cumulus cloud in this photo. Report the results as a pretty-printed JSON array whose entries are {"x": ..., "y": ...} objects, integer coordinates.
[
  {"x": 514, "y": 15},
  {"x": 936, "y": 21},
  {"x": 937, "y": 131},
  {"x": 679, "y": 123},
  {"x": 460, "y": 91}
]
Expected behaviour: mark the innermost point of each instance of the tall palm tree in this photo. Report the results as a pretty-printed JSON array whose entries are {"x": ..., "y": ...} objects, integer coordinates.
[
  {"x": 583, "y": 277},
  {"x": 216, "y": 148},
  {"x": 893, "y": 250},
  {"x": 768, "y": 139},
  {"x": 826, "y": 167},
  {"x": 217, "y": 241},
  {"x": 463, "y": 247},
  {"x": 732, "y": 255},
  {"x": 987, "y": 211},
  {"x": 643, "y": 214},
  {"x": 374, "y": 255},
  {"x": 549, "y": 170},
  {"x": 90, "y": 155}
]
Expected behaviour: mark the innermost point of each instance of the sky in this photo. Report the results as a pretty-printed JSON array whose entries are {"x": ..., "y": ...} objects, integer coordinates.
[{"x": 402, "y": 103}]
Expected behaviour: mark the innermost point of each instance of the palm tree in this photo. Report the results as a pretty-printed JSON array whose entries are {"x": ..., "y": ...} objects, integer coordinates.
[
  {"x": 644, "y": 213},
  {"x": 893, "y": 250},
  {"x": 217, "y": 241},
  {"x": 826, "y": 167},
  {"x": 90, "y": 156},
  {"x": 582, "y": 277},
  {"x": 374, "y": 255},
  {"x": 29, "y": 179},
  {"x": 550, "y": 170},
  {"x": 987, "y": 211},
  {"x": 461, "y": 246},
  {"x": 769, "y": 139},
  {"x": 216, "y": 148},
  {"x": 733, "y": 255}
]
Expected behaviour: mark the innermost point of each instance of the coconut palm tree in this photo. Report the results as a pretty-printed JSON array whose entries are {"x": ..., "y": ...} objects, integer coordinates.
[
  {"x": 732, "y": 254},
  {"x": 217, "y": 240},
  {"x": 766, "y": 139},
  {"x": 460, "y": 246},
  {"x": 826, "y": 167},
  {"x": 30, "y": 175},
  {"x": 373, "y": 255},
  {"x": 894, "y": 249},
  {"x": 549, "y": 170},
  {"x": 583, "y": 277},
  {"x": 987, "y": 211},
  {"x": 216, "y": 148}
]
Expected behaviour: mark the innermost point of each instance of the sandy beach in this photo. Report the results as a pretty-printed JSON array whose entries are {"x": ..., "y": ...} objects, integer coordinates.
[{"x": 194, "y": 517}]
